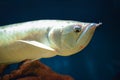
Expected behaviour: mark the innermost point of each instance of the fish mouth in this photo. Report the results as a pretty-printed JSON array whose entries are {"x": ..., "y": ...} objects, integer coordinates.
[
  {"x": 92, "y": 25},
  {"x": 87, "y": 27},
  {"x": 100, "y": 23}
]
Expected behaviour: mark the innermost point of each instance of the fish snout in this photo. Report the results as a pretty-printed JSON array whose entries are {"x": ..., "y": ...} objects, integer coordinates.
[{"x": 92, "y": 26}]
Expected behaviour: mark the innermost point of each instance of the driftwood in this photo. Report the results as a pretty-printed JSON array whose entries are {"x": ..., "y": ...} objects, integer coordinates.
[{"x": 33, "y": 71}]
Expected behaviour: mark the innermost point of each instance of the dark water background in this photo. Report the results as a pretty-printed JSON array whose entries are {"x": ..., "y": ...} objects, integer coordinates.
[{"x": 100, "y": 60}]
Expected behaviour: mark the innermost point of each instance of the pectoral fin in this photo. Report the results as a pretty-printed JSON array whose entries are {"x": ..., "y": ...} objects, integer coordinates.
[{"x": 37, "y": 44}]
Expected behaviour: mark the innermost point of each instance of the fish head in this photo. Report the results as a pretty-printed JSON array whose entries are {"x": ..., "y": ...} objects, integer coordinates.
[{"x": 74, "y": 37}]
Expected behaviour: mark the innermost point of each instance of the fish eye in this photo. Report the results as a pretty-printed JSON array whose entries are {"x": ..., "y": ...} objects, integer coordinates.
[{"x": 77, "y": 28}]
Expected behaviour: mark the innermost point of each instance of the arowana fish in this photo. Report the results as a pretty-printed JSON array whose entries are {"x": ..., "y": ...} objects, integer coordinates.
[{"x": 43, "y": 39}]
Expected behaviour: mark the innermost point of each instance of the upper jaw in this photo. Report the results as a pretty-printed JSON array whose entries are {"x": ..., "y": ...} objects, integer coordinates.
[{"x": 93, "y": 25}]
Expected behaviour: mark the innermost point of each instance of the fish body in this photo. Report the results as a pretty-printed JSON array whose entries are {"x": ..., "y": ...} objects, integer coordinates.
[{"x": 43, "y": 39}]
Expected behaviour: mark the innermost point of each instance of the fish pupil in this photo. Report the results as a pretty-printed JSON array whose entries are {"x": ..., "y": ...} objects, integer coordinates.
[{"x": 77, "y": 31}]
